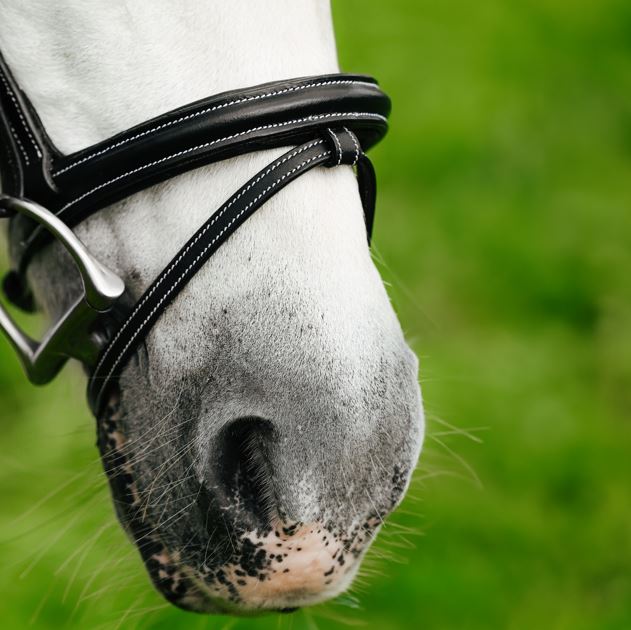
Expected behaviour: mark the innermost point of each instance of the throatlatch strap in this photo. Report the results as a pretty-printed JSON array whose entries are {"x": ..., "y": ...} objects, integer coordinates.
[{"x": 212, "y": 235}]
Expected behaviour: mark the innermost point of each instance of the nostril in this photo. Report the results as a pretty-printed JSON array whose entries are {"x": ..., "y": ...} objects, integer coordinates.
[{"x": 245, "y": 468}]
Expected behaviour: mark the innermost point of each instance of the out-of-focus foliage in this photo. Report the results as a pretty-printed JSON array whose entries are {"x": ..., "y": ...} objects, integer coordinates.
[{"x": 504, "y": 229}]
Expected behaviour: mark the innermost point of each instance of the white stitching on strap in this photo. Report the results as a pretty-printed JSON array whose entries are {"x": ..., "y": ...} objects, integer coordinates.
[
  {"x": 20, "y": 145},
  {"x": 19, "y": 111},
  {"x": 175, "y": 262},
  {"x": 357, "y": 149},
  {"x": 201, "y": 112},
  {"x": 212, "y": 142},
  {"x": 338, "y": 145}
]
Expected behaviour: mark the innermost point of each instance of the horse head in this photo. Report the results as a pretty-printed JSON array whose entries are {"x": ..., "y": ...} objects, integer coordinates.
[{"x": 271, "y": 420}]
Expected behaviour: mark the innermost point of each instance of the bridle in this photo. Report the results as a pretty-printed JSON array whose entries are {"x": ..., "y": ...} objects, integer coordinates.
[{"x": 329, "y": 121}]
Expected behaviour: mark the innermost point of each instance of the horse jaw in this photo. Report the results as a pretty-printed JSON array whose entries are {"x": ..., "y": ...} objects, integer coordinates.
[{"x": 288, "y": 327}]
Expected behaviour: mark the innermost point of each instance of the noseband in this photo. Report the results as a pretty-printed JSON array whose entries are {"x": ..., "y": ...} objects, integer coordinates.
[{"x": 329, "y": 121}]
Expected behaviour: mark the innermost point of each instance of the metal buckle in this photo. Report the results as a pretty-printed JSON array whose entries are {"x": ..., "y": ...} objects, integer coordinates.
[{"x": 73, "y": 335}]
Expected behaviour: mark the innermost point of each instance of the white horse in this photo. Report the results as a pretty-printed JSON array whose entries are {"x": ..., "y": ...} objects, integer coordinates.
[{"x": 273, "y": 416}]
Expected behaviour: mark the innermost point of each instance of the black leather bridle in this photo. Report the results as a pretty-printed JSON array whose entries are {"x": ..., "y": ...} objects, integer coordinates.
[{"x": 329, "y": 120}]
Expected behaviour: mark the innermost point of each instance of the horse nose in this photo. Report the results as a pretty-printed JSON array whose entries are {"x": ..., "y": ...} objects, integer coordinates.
[{"x": 292, "y": 497}]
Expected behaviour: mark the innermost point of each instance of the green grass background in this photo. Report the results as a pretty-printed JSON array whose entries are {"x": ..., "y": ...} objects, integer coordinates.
[{"x": 504, "y": 229}]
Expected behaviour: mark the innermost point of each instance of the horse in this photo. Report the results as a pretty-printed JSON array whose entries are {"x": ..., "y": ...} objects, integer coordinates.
[{"x": 272, "y": 418}]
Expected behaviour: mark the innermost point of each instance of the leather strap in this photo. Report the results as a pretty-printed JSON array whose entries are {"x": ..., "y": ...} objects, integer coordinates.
[
  {"x": 232, "y": 123},
  {"x": 333, "y": 118},
  {"x": 26, "y": 152}
]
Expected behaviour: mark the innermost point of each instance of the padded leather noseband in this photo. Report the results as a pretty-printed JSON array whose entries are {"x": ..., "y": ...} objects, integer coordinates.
[{"x": 328, "y": 121}]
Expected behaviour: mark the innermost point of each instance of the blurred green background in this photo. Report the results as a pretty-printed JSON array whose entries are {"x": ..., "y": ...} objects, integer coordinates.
[{"x": 504, "y": 231}]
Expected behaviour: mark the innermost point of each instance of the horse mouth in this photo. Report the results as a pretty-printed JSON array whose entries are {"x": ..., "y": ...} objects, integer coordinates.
[
  {"x": 279, "y": 571},
  {"x": 272, "y": 565}
]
